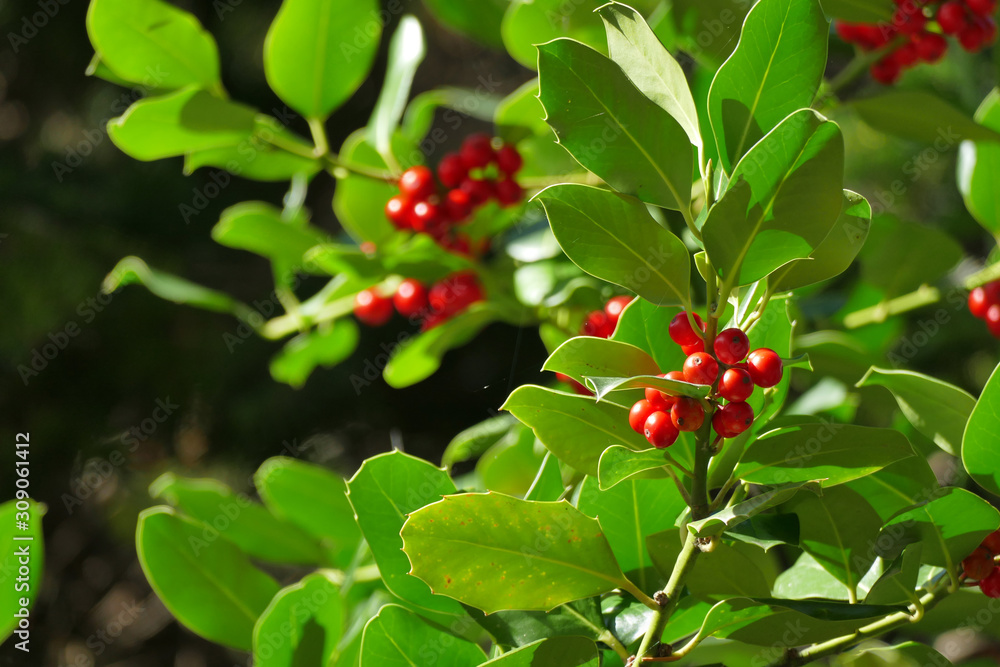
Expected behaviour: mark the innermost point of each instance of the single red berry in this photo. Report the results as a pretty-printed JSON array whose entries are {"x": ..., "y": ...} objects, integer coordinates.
[
  {"x": 661, "y": 402},
  {"x": 930, "y": 46},
  {"x": 736, "y": 385},
  {"x": 417, "y": 183},
  {"x": 849, "y": 32},
  {"x": 687, "y": 414},
  {"x": 576, "y": 386},
  {"x": 614, "y": 307},
  {"x": 972, "y": 37},
  {"x": 736, "y": 417},
  {"x": 638, "y": 414},
  {"x": 720, "y": 427},
  {"x": 982, "y": 7},
  {"x": 873, "y": 36},
  {"x": 688, "y": 350},
  {"x": 906, "y": 55},
  {"x": 675, "y": 375},
  {"x": 993, "y": 320},
  {"x": 978, "y": 302},
  {"x": 680, "y": 329},
  {"x": 952, "y": 17},
  {"x": 457, "y": 206},
  {"x": 731, "y": 346},
  {"x": 990, "y": 586},
  {"x": 909, "y": 20},
  {"x": 764, "y": 366},
  {"x": 452, "y": 170},
  {"x": 427, "y": 218},
  {"x": 979, "y": 564},
  {"x": 410, "y": 298},
  {"x": 477, "y": 151},
  {"x": 992, "y": 542},
  {"x": 701, "y": 368},
  {"x": 886, "y": 71},
  {"x": 596, "y": 324},
  {"x": 508, "y": 192},
  {"x": 660, "y": 431},
  {"x": 399, "y": 210},
  {"x": 479, "y": 191},
  {"x": 509, "y": 161},
  {"x": 371, "y": 308}
]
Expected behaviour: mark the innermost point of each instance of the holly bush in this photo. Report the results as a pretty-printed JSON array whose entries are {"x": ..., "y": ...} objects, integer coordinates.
[{"x": 685, "y": 241}]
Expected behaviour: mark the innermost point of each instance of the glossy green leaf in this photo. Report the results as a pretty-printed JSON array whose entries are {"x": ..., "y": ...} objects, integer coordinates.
[
  {"x": 835, "y": 253},
  {"x": 153, "y": 43},
  {"x": 729, "y": 570},
  {"x": 480, "y": 20},
  {"x": 131, "y": 270},
  {"x": 387, "y": 489},
  {"x": 521, "y": 628},
  {"x": 807, "y": 579},
  {"x": 14, "y": 540},
  {"x": 325, "y": 346},
  {"x": 979, "y": 451},
  {"x": 978, "y": 161},
  {"x": 548, "y": 482},
  {"x": 605, "y": 385},
  {"x": 396, "y": 637},
  {"x": 496, "y": 552},
  {"x": 907, "y": 654},
  {"x": 613, "y": 237},
  {"x": 302, "y": 625},
  {"x": 860, "y": 11},
  {"x": 949, "y": 527},
  {"x": 898, "y": 486},
  {"x": 586, "y": 356},
  {"x": 938, "y": 122},
  {"x": 834, "y": 453},
  {"x": 724, "y": 519},
  {"x": 645, "y": 325},
  {"x": 775, "y": 70},
  {"x": 896, "y": 585},
  {"x": 520, "y": 114},
  {"x": 256, "y": 157},
  {"x": 314, "y": 498},
  {"x": 611, "y": 128},
  {"x": 636, "y": 49},
  {"x": 937, "y": 409},
  {"x": 709, "y": 29},
  {"x": 406, "y": 52},
  {"x": 767, "y": 531},
  {"x": 259, "y": 228},
  {"x": 618, "y": 464},
  {"x": 510, "y": 465},
  {"x": 181, "y": 122},
  {"x": 205, "y": 581},
  {"x": 568, "y": 651},
  {"x": 236, "y": 517},
  {"x": 313, "y": 57},
  {"x": 475, "y": 440},
  {"x": 528, "y": 23},
  {"x": 899, "y": 256},
  {"x": 784, "y": 198},
  {"x": 574, "y": 428}
]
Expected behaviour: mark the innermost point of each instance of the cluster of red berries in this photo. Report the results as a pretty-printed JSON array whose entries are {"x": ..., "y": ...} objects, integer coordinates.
[
  {"x": 412, "y": 299},
  {"x": 981, "y": 565},
  {"x": 470, "y": 178},
  {"x": 600, "y": 324},
  {"x": 984, "y": 303},
  {"x": 970, "y": 21},
  {"x": 661, "y": 416}
]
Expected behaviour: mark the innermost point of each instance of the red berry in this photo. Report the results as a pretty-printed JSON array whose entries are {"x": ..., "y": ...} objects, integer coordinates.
[
  {"x": 398, "y": 210},
  {"x": 675, "y": 375},
  {"x": 638, "y": 414},
  {"x": 576, "y": 386},
  {"x": 417, "y": 183},
  {"x": 614, "y": 307},
  {"x": 979, "y": 564},
  {"x": 886, "y": 71},
  {"x": 992, "y": 542},
  {"x": 978, "y": 302},
  {"x": 660, "y": 431},
  {"x": 509, "y": 161},
  {"x": 731, "y": 346},
  {"x": 687, "y": 414},
  {"x": 457, "y": 206},
  {"x": 680, "y": 329},
  {"x": 906, "y": 55},
  {"x": 972, "y": 37},
  {"x": 410, "y": 298},
  {"x": 477, "y": 151},
  {"x": 952, "y": 17},
  {"x": 596, "y": 324},
  {"x": 909, "y": 20},
  {"x": 372, "y": 309},
  {"x": 931, "y": 46},
  {"x": 427, "y": 218},
  {"x": 701, "y": 368},
  {"x": 849, "y": 32},
  {"x": 982, "y": 7},
  {"x": 508, "y": 192},
  {"x": 452, "y": 170},
  {"x": 990, "y": 586},
  {"x": 764, "y": 366},
  {"x": 454, "y": 293},
  {"x": 479, "y": 191},
  {"x": 688, "y": 350},
  {"x": 661, "y": 402},
  {"x": 993, "y": 320},
  {"x": 736, "y": 385},
  {"x": 720, "y": 427},
  {"x": 736, "y": 417},
  {"x": 873, "y": 36}
]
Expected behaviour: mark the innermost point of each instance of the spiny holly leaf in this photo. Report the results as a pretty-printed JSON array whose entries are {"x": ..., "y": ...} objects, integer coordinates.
[
  {"x": 979, "y": 450},
  {"x": 497, "y": 552},
  {"x": 717, "y": 523}
]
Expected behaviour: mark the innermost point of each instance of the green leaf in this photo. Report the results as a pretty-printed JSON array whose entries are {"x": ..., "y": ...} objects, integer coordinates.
[
  {"x": 776, "y": 69},
  {"x": 480, "y": 21},
  {"x": 899, "y": 257},
  {"x": 14, "y": 540},
  {"x": 835, "y": 253},
  {"x": 729, "y": 571},
  {"x": 977, "y": 162},
  {"x": 614, "y": 238},
  {"x": 806, "y": 579},
  {"x": 313, "y": 498},
  {"x": 586, "y": 356},
  {"x": 859, "y": 11},
  {"x": 178, "y": 123},
  {"x": 618, "y": 464},
  {"x": 979, "y": 451},
  {"x": 767, "y": 531},
  {"x": 314, "y": 58},
  {"x": 308, "y": 618},
  {"x": 568, "y": 651},
  {"x": 205, "y": 581},
  {"x": 938, "y": 122},
  {"x": 937, "y": 409},
  {"x": 709, "y": 29},
  {"x": 574, "y": 428},
  {"x": 949, "y": 526},
  {"x": 132, "y": 270},
  {"x": 528, "y": 23},
  {"x": 326, "y": 346},
  {"x": 496, "y": 552},
  {"x": 255, "y": 157},
  {"x": 838, "y": 529},
  {"x": 521, "y": 628},
  {"x": 907, "y": 654},
  {"x": 259, "y": 227},
  {"x": 521, "y": 113},
  {"x": 396, "y": 637},
  {"x": 611, "y": 128},
  {"x": 475, "y": 440},
  {"x": 898, "y": 486},
  {"x": 634, "y": 48},
  {"x": 629, "y": 513},
  {"x": 729, "y": 517},
  {"x": 548, "y": 483},
  {"x": 387, "y": 489},
  {"x": 237, "y": 518},
  {"x": 509, "y": 466},
  {"x": 645, "y": 325},
  {"x": 406, "y": 52},
  {"x": 896, "y": 585},
  {"x": 153, "y": 43},
  {"x": 606, "y": 385},
  {"x": 784, "y": 198},
  {"x": 835, "y": 453}
]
